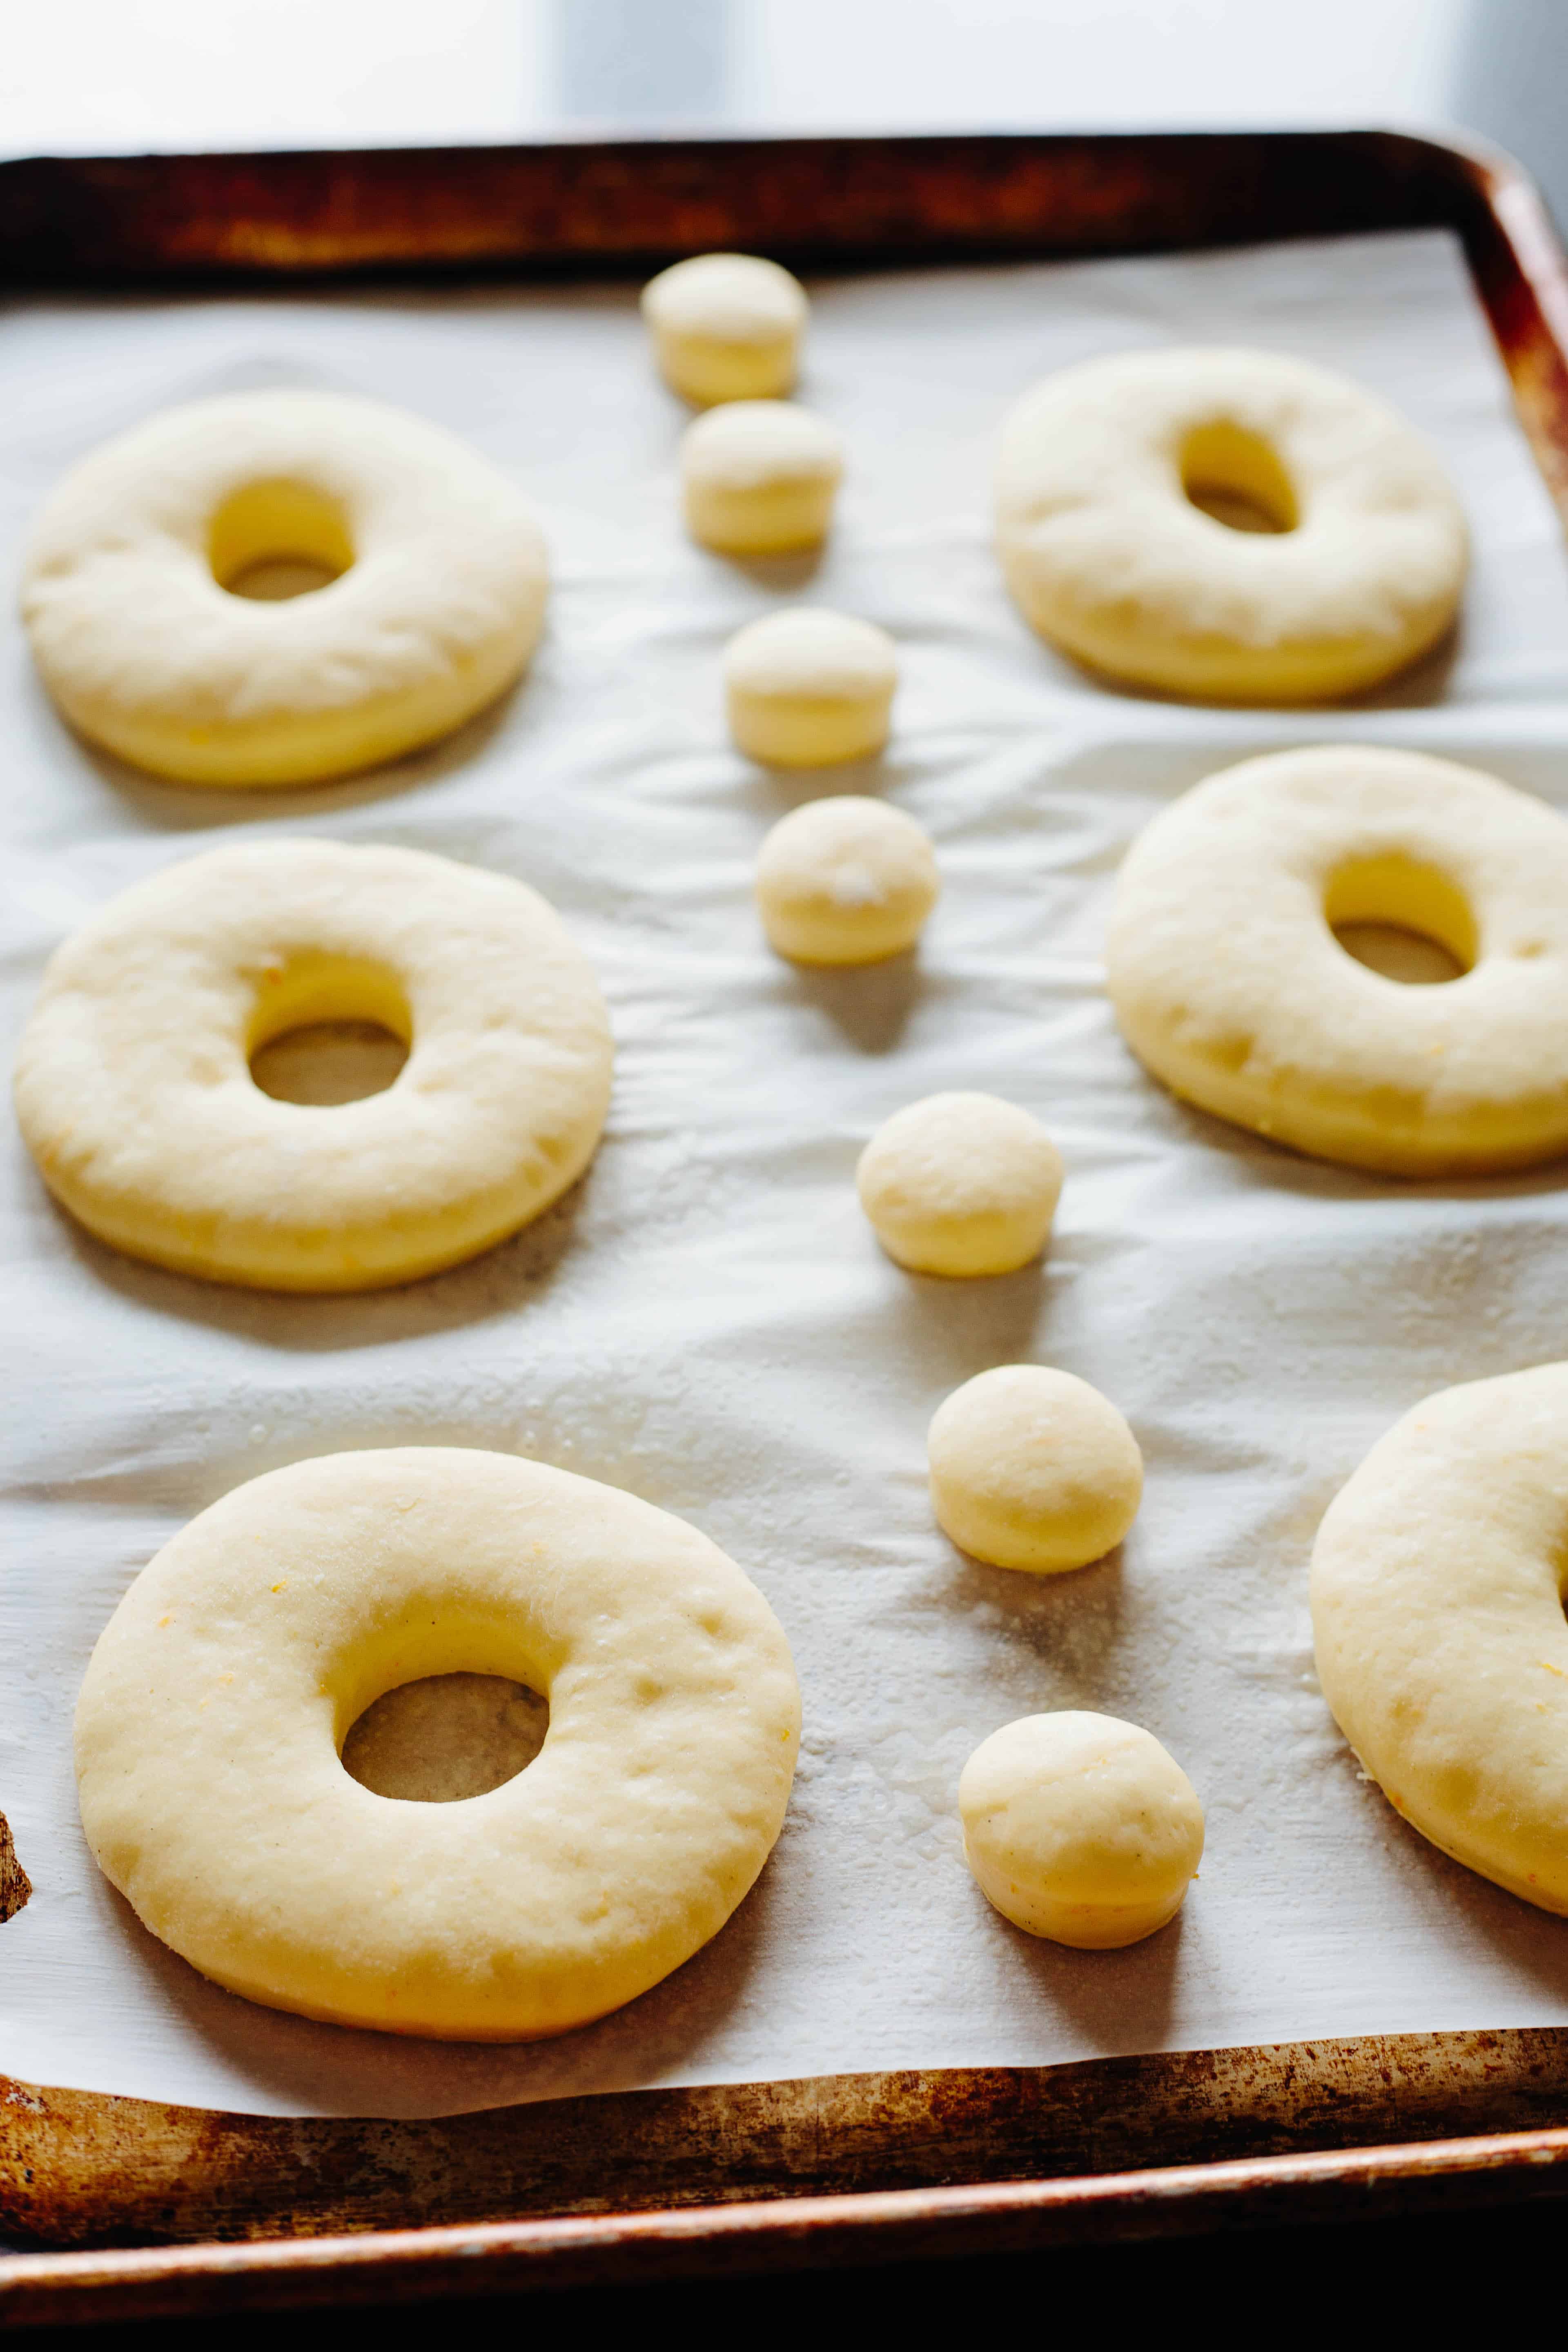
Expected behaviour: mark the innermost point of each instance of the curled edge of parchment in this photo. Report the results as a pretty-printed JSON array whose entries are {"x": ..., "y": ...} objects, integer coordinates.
[{"x": 15, "y": 1886}]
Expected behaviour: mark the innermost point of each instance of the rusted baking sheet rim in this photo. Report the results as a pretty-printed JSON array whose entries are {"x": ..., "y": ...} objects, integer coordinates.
[
  {"x": 792, "y": 2234},
  {"x": 579, "y": 207},
  {"x": 568, "y": 206},
  {"x": 82, "y": 2169}
]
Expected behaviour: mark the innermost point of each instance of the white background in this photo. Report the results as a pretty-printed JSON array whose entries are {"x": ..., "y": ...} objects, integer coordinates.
[{"x": 246, "y": 72}]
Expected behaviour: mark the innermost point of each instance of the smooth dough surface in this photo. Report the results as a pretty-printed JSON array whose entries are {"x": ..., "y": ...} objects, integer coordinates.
[
  {"x": 960, "y": 1184},
  {"x": 211, "y": 1720},
  {"x": 759, "y": 477},
  {"x": 438, "y": 603},
  {"x": 133, "y": 1085},
  {"x": 1107, "y": 556},
  {"x": 807, "y": 687},
  {"x": 726, "y": 326},
  {"x": 1081, "y": 1827},
  {"x": 844, "y": 881},
  {"x": 1229, "y": 984},
  {"x": 1032, "y": 1468},
  {"x": 1439, "y": 1577}
]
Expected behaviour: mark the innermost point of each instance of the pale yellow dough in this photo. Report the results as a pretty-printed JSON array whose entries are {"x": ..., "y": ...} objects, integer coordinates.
[
  {"x": 1109, "y": 557},
  {"x": 960, "y": 1184},
  {"x": 1080, "y": 1828},
  {"x": 1438, "y": 1582},
  {"x": 759, "y": 477},
  {"x": 845, "y": 881},
  {"x": 438, "y": 603},
  {"x": 135, "y": 1092},
  {"x": 1228, "y": 983},
  {"x": 726, "y": 326},
  {"x": 1032, "y": 1468},
  {"x": 806, "y": 688},
  {"x": 210, "y": 1724}
]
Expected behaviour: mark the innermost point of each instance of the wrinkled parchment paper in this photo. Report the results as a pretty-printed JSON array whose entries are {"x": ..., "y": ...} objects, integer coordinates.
[{"x": 709, "y": 1322}]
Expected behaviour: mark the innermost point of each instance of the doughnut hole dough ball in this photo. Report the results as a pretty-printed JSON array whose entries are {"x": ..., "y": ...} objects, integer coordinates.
[
  {"x": 213, "y": 1715},
  {"x": 1230, "y": 986},
  {"x": 960, "y": 1184},
  {"x": 1438, "y": 1581},
  {"x": 806, "y": 689},
  {"x": 1080, "y": 1828},
  {"x": 1032, "y": 1468},
  {"x": 438, "y": 604},
  {"x": 726, "y": 326},
  {"x": 845, "y": 881},
  {"x": 135, "y": 1097},
  {"x": 759, "y": 477},
  {"x": 1109, "y": 557}
]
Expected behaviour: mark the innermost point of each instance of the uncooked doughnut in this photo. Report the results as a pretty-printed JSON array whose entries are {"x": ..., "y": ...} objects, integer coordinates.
[
  {"x": 1229, "y": 984},
  {"x": 759, "y": 476},
  {"x": 960, "y": 1184},
  {"x": 1032, "y": 1468},
  {"x": 806, "y": 689},
  {"x": 213, "y": 1712},
  {"x": 133, "y": 1085},
  {"x": 1439, "y": 1577},
  {"x": 1109, "y": 556},
  {"x": 439, "y": 600},
  {"x": 1080, "y": 1828},
  {"x": 726, "y": 326},
  {"x": 847, "y": 880}
]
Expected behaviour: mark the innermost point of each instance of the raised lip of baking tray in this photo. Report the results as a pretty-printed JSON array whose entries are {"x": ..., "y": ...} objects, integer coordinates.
[{"x": 190, "y": 2211}]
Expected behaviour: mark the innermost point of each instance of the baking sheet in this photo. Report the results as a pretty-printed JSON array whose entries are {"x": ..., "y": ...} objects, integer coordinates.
[{"x": 708, "y": 1322}]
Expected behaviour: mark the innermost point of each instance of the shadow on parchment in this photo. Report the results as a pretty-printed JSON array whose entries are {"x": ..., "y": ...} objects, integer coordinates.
[
  {"x": 1069, "y": 1625},
  {"x": 347, "y": 2070},
  {"x": 500, "y": 1281},
  {"x": 1532, "y": 1942},
  {"x": 960, "y": 1326},
  {"x": 1419, "y": 687},
  {"x": 870, "y": 1003},
  {"x": 1279, "y": 1168},
  {"x": 774, "y": 792},
  {"x": 166, "y": 806},
  {"x": 1119, "y": 2000},
  {"x": 782, "y": 576},
  {"x": 1423, "y": 682}
]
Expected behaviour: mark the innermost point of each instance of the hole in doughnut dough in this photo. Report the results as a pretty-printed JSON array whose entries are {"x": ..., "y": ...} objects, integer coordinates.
[
  {"x": 1402, "y": 919},
  {"x": 326, "y": 1030},
  {"x": 1236, "y": 478},
  {"x": 275, "y": 539},
  {"x": 278, "y": 578},
  {"x": 446, "y": 1737},
  {"x": 1399, "y": 954},
  {"x": 328, "y": 1063}
]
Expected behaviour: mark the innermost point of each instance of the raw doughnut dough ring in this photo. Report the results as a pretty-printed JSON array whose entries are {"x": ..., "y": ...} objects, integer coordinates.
[
  {"x": 439, "y": 603},
  {"x": 1438, "y": 1581},
  {"x": 726, "y": 326},
  {"x": 210, "y": 1724},
  {"x": 135, "y": 1092},
  {"x": 845, "y": 881},
  {"x": 960, "y": 1184},
  {"x": 806, "y": 689},
  {"x": 1081, "y": 1828},
  {"x": 759, "y": 477},
  {"x": 1109, "y": 557},
  {"x": 1229, "y": 984},
  {"x": 1032, "y": 1468}
]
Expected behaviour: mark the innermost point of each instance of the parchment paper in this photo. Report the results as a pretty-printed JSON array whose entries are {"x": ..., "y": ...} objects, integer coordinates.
[{"x": 709, "y": 1322}]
